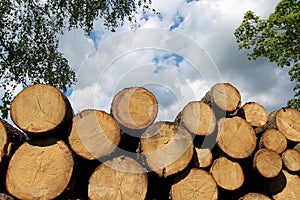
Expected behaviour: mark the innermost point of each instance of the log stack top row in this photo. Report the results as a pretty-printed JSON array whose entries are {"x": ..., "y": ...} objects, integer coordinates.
[{"x": 215, "y": 148}]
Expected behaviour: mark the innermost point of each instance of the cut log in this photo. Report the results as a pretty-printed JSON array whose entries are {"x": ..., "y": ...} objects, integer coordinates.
[
  {"x": 41, "y": 109},
  {"x": 297, "y": 147},
  {"x": 10, "y": 139},
  {"x": 197, "y": 117},
  {"x": 254, "y": 113},
  {"x": 4, "y": 196},
  {"x": 134, "y": 108},
  {"x": 291, "y": 160},
  {"x": 205, "y": 157},
  {"x": 39, "y": 172},
  {"x": 268, "y": 163},
  {"x": 228, "y": 175},
  {"x": 273, "y": 139},
  {"x": 94, "y": 134},
  {"x": 236, "y": 137},
  {"x": 224, "y": 96},
  {"x": 291, "y": 191},
  {"x": 120, "y": 178},
  {"x": 287, "y": 121},
  {"x": 254, "y": 196},
  {"x": 198, "y": 184},
  {"x": 168, "y": 148}
]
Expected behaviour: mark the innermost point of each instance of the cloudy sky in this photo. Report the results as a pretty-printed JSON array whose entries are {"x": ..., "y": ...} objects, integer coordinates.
[{"x": 178, "y": 55}]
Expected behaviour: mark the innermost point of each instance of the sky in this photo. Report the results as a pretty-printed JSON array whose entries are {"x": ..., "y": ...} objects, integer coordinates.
[{"x": 178, "y": 55}]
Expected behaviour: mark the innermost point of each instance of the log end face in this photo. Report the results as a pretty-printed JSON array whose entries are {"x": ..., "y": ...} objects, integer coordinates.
[{"x": 287, "y": 121}]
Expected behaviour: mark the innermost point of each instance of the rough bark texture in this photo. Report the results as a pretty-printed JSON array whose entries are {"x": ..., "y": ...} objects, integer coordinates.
[
  {"x": 41, "y": 109},
  {"x": 39, "y": 172},
  {"x": 120, "y": 178},
  {"x": 197, "y": 185},
  {"x": 197, "y": 117},
  {"x": 134, "y": 108},
  {"x": 225, "y": 96},
  {"x": 91, "y": 129},
  {"x": 228, "y": 175},
  {"x": 236, "y": 137},
  {"x": 168, "y": 148},
  {"x": 267, "y": 162},
  {"x": 273, "y": 139},
  {"x": 291, "y": 159},
  {"x": 287, "y": 121}
]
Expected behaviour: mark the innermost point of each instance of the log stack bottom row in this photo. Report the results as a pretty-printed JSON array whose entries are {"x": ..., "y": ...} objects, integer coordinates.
[{"x": 216, "y": 148}]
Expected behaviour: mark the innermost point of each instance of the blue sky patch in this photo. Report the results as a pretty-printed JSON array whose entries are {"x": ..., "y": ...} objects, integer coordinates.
[
  {"x": 170, "y": 59},
  {"x": 178, "y": 19}
]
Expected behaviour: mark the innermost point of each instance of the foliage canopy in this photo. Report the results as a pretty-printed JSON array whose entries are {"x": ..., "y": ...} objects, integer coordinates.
[
  {"x": 276, "y": 38},
  {"x": 29, "y": 32}
]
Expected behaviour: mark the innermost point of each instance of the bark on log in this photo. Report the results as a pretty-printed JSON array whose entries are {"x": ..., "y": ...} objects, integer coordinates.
[
  {"x": 39, "y": 172},
  {"x": 255, "y": 114},
  {"x": 120, "y": 178},
  {"x": 92, "y": 129},
  {"x": 268, "y": 163},
  {"x": 291, "y": 160},
  {"x": 254, "y": 196},
  {"x": 205, "y": 157},
  {"x": 273, "y": 139},
  {"x": 236, "y": 137},
  {"x": 287, "y": 121},
  {"x": 41, "y": 109},
  {"x": 134, "y": 109},
  {"x": 198, "y": 118},
  {"x": 228, "y": 175},
  {"x": 224, "y": 96},
  {"x": 198, "y": 184},
  {"x": 291, "y": 191},
  {"x": 168, "y": 148}
]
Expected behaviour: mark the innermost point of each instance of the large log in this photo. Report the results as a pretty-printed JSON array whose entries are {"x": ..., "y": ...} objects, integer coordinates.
[
  {"x": 120, "y": 178},
  {"x": 291, "y": 160},
  {"x": 197, "y": 117},
  {"x": 236, "y": 137},
  {"x": 197, "y": 185},
  {"x": 225, "y": 96},
  {"x": 39, "y": 172},
  {"x": 268, "y": 163},
  {"x": 92, "y": 129},
  {"x": 228, "y": 174},
  {"x": 273, "y": 139},
  {"x": 287, "y": 121},
  {"x": 168, "y": 148},
  {"x": 41, "y": 109},
  {"x": 134, "y": 108},
  {"x": 291, "y": 190}
]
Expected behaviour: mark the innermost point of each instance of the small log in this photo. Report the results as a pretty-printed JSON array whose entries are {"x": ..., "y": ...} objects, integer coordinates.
[
  {"x": 273, "y": 139},
  {"x": 297, "y": 147},
  {"x": 4, "y": 196},
  {"x": 168, "y": 148},
  {"x": 291, "y": 160},
  {"x": 197, "y": 117},
  {"x": 291, "y": 191},
  {"x": 198, "y": 184},
  {"x": 255, "y": 114},
  {"x": 236, "y": 137},
  {"x": 90, "y": 129},
  {"x": 41, "y": 109},
  {"x": 134, "y": 108},
  {"x": 254, "y": 196},
  {"x": 120, "y": 178},
  {"x": 267, "y": 162},
  {"x": 287, "y": 121},
  {"x": 225, "y": 96},
  {"x": 39, "y": 172},
  {"x": 205, "y": 157},
  {"x": 228, "y": 175}
]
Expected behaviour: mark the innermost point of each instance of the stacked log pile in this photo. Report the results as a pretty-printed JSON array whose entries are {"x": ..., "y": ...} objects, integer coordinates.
[{"x": 216, "y": 148}]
